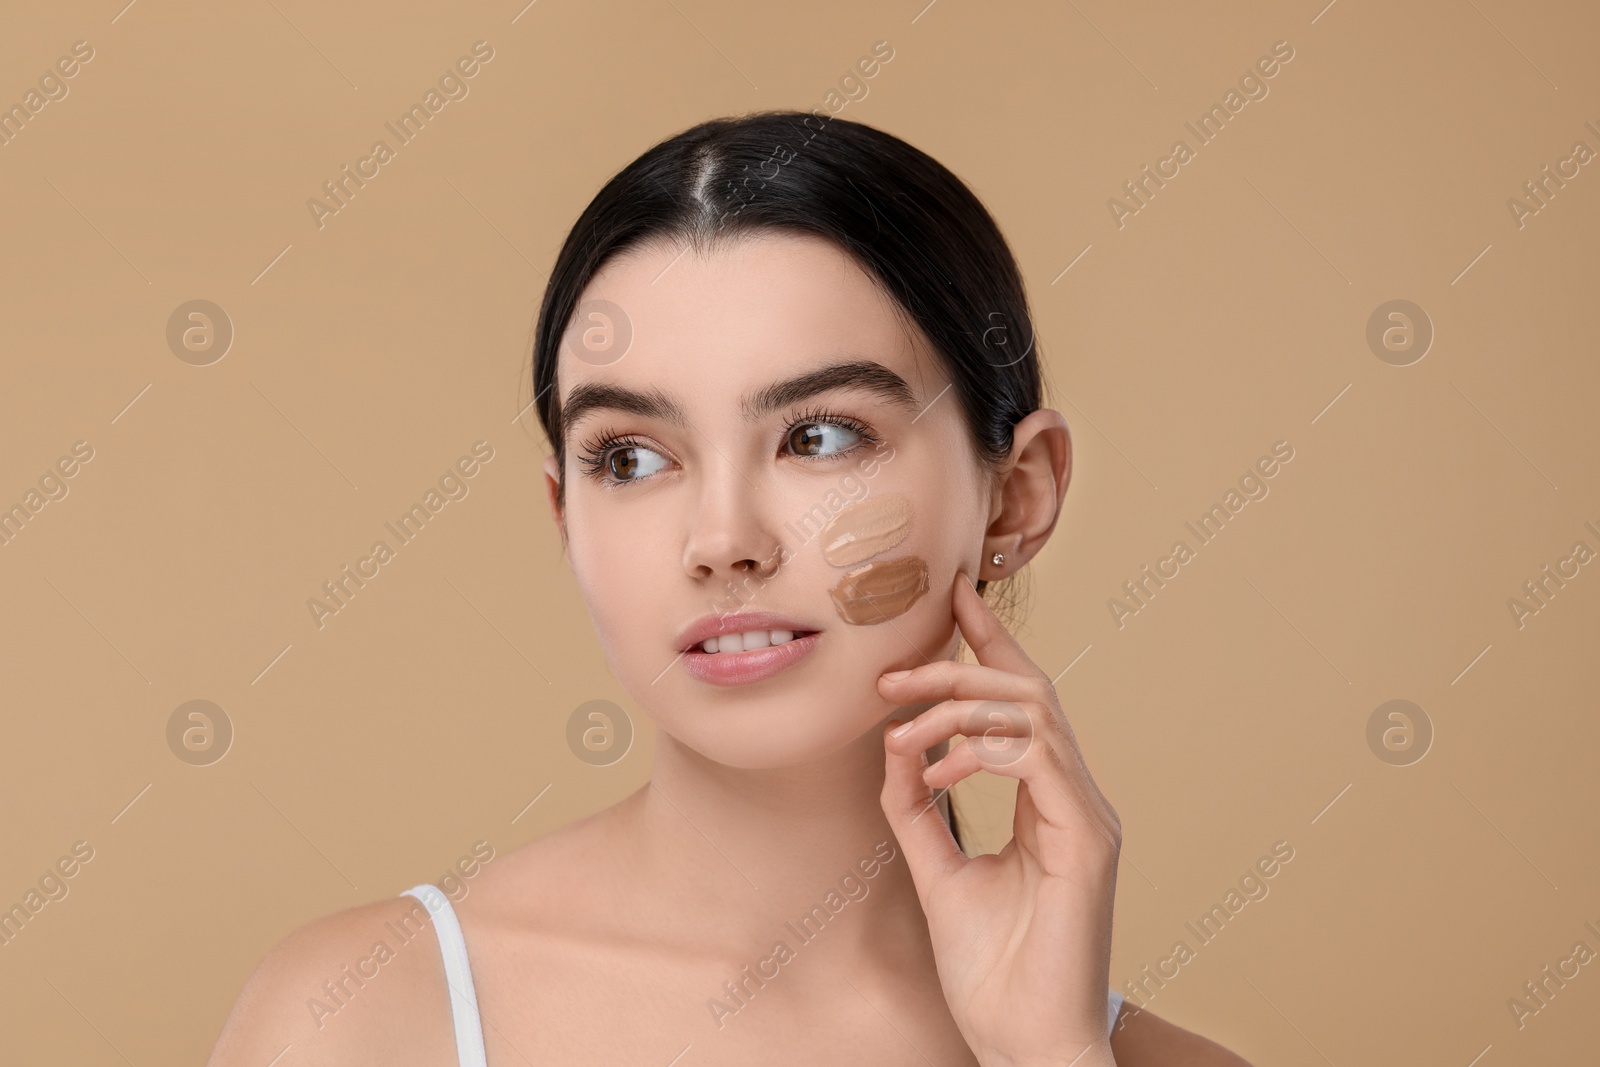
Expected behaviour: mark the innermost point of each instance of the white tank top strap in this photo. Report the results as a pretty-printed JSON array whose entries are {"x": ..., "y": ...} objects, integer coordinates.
[
  {"x": 457, "y": 975},
  {"x": 1113, "y": 1005}
]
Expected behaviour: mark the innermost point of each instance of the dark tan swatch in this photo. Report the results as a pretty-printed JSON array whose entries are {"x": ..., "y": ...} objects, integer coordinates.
[{"x": 880, "y": 591}]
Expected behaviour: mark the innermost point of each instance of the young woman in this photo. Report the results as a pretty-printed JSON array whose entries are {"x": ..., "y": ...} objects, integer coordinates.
[{"x": 786, "y": 368}]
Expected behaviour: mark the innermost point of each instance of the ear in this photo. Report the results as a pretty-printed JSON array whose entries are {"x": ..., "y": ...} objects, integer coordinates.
[
  {"x": 552, "y": 489},
  {"x": 1028, "y": 500}
]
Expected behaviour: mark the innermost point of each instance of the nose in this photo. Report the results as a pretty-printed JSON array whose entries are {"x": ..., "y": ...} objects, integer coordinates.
[{"x": 729, "y": 533}]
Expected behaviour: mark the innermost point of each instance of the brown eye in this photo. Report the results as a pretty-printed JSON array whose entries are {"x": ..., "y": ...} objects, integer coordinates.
[
  {"x": 821, "y": 438},
  {"x": 631, "y": 463}
]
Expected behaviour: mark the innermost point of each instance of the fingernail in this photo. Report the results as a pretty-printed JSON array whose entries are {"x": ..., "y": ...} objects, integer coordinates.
[
  {"x": 902, "y": 728},
  {"x": 895, "y": 676}
]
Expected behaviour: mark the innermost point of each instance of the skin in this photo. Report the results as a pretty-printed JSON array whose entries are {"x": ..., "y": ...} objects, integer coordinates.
[{"x": 605, "y": 940}]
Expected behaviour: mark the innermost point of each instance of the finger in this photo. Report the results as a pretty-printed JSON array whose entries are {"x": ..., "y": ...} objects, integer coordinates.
[
  {"x": 1060, "y": 791},
  {"x": 947, "y": 680},
  {"x": 984, "y": 633},
  {"x": 910, "y": 806},
  {"x": 1030, "y": 721},
  {"x": 1060, "y": 805},
  {"x": 1008, "y": 739},
  {"x": 1000, "y": 736},
  {"x": 985, "y": 720},
  {"x": 982, "y": 753}
]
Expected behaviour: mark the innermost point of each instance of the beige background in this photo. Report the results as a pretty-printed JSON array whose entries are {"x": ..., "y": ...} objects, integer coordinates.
[{"x": 1224, "y": 317}]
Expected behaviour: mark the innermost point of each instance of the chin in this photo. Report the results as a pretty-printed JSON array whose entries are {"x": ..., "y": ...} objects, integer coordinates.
[{"x": 772, "y": 731}]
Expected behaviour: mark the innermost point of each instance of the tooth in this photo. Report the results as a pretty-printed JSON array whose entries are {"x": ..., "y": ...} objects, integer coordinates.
[
  {"x": 708, "y": 645},
  {"x": 781, "y": 637},
  {"x": 756, "y": 639}
]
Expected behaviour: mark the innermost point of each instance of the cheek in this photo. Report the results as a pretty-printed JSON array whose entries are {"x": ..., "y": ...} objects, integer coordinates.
[
  {"x": 621, "y": 576},
  {"x": 898, "y": 550},
  {"x": 886, "y": 567},
  {"x": 870, "y": 593}
]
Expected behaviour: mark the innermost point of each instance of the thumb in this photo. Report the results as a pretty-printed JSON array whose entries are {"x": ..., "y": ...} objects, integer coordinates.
[{"x": 931, "y": 851}]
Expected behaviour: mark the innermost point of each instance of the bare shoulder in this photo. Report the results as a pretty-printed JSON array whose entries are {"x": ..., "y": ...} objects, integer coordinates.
[
  {"x": 1143, "y": 1039},
  {"x": 367, "y": 984},
  {"x": 364, "y": 985}
]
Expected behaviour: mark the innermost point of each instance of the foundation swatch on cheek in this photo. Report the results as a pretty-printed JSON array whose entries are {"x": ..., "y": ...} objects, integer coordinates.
[
  {"x": 880, "y": 591},
  {"x": 866, "y": 529}
]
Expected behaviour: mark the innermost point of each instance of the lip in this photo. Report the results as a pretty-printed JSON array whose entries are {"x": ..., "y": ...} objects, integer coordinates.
[
  {"x": 747, "y": 668},
  {"x": 737, "y": 622},
  {"x": 754, "y": 665}
]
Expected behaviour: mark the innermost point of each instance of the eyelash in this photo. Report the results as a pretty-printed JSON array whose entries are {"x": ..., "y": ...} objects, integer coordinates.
[
  {"x": 832, "y": 418},
  {"x": 592, "y": 458}
]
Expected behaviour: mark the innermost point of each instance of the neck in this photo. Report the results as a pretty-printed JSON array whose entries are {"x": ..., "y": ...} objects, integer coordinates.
[{"x": 762, "y": 848}]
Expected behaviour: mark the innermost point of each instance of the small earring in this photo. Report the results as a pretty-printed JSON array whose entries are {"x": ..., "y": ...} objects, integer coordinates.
[{"x": 998, "y": 558}]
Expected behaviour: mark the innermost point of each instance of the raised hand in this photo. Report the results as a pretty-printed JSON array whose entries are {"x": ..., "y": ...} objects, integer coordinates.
[{"x": 1022, "y": 938}]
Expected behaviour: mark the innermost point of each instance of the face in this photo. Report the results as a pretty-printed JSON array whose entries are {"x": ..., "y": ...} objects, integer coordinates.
[{"x": 774, "y": 469}]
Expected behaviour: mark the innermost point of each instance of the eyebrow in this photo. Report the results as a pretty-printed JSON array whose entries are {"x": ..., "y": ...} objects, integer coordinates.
[{"x": 864, "y": 374}]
